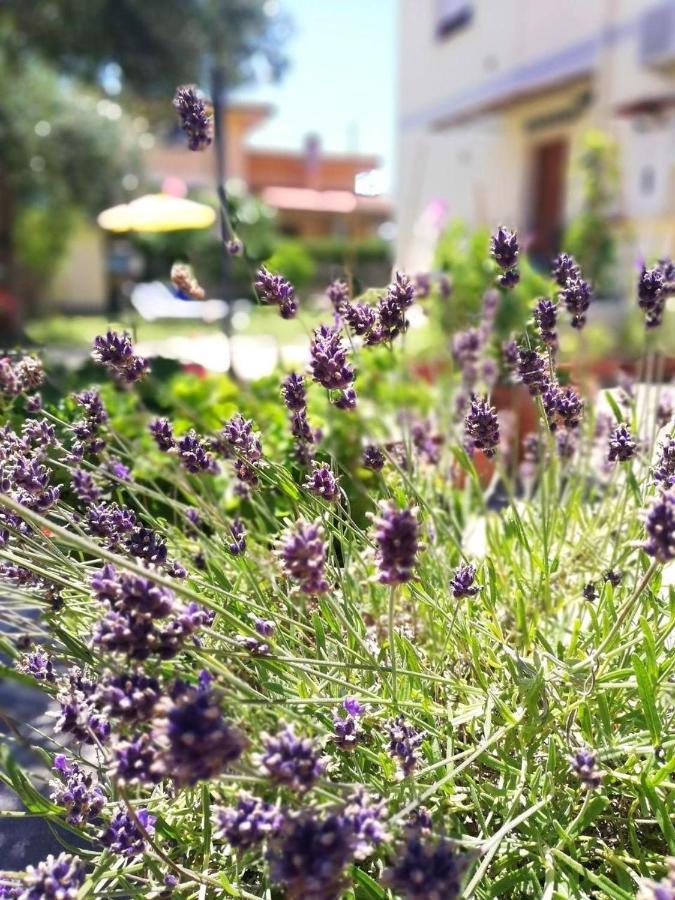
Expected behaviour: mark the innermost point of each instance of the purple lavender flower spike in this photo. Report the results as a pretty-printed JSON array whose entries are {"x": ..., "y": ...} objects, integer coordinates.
[
  {"x": 58, "y": 877},
  {"x": 162, "y": 432},
  {"x": 427, "y": 868},
  {"x": 532, "y": 371},
  {"x": 309, "y": 855},
  {"x": 482, "y": 426},
  {"x": 510, "y": 354},
  {"x": 196, "y": 741},
  {"x": 360, "y": 317},
  {"x": 508, "y": 279},
  {"x": 664, "y": 470},
  {"x": 397, "y": 535},
  {"x": 621, "y": 444},
  {"x": 322, "y": 483},
  {"x": 346, "y": 733},
  {"x": 193, "y": 453},
  {"x": 37, "y": 663},
  {"x": 289, "y": 760},
  {"x": 238, "y": 533},
  {"x": 328, "y": 362},
  {"x": 248, "y": 823},
  {"x": 565, "y": 269},
  {"x": 116, "y": 353},
  {"x": 660, "y": 526},
  {"x": 135, "y": 761},
  {"x": 373, "y": 458},
  {"x": 583, "y": 764},
  {"x": 294, "y": 393},
  {"x": 130, "y": 698},
  {"x": 404, "y": 742},
  {"x": 346, "y": 399},
  {"x": 365, "y": 815},
  {"x": 652, "y": 295},
  {"x": 577, "y": 296},
  {"x": 504, "y": 247},
  {"x": 76, "y": 792},
  {"x": 462, "y": 582},
  {"x": 445, "y": 286},
  {"x": 545, "y": 315},
  {"x": 277, "y": 290},
  {"x": 338, "y": 294},
  {"x": 195, "y": 119},
  {"x": 302, "y": 552},
  {"x": 123, "y": 836},
  {"x": 353, "y": 707},
  {"x": 85, "y": 487},
  {"x": 422, "y": 285}
]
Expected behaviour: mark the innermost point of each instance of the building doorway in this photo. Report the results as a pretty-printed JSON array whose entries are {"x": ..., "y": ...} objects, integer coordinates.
[{"x": 549, "y": 171}]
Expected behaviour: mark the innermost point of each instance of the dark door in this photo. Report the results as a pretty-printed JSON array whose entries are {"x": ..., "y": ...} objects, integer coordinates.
[{"x": 548, "y": 199}]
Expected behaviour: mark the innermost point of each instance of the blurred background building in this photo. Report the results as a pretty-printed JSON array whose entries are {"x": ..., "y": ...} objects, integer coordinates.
[{"x": 516, "y": 112}]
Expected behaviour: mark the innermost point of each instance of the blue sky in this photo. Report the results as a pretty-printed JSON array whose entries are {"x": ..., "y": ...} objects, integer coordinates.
[{"x": 341, "y": 79}]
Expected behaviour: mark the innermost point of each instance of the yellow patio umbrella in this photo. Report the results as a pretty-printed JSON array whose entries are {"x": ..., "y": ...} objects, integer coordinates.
[{"x": 157, "y": 212}]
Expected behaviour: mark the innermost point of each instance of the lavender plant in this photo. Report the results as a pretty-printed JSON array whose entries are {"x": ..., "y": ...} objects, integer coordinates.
[{"x": 259, "y": 694}]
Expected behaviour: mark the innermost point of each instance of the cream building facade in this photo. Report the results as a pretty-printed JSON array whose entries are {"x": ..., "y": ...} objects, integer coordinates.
[{"x": 496, "y": 98}]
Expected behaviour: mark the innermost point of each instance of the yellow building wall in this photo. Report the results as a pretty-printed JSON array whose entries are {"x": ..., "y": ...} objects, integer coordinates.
[{"x": 80, "y": 283}]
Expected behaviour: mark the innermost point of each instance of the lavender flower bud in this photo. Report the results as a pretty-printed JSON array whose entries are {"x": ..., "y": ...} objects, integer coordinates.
[
  {"x": 583, "y": 765},
  {"x": 404, "y": 742},
  {"x": 162, "y": 432},
  {"x": 360, "y": 317},
  {"x": 58, "y": 877},
  {"x": 38, "y": 664},
  {"x": 482, "y": 426},
  {"x": 338, "y": 294},
  {"x": 238, "y": 532},
  {"x": 294, "y": 393},
  {"x": 462, "y": 582},
  {"x": 397, "y": 537},
  {"x": 532, "y": 371},
  {"x": 116, "y": 352},
  {"x": 664, "y": 470},
  {"x": 248, "y": 823},
  {"x": 660, "y": 526},
  {"x": 545, "y": 315},
  {"x": 621, "y": 444},
  {"x": 277, "y": 290},
  {"x": 328, "y": 363},
  {"x": 322, "y": 483},
  {"x": 289, "y": 760},
  {"x": 195, "y": 119},
  {"x": 346, "y": 733},
  {"x": 508, "y": 279},
  {"x": 196, "y": 741},
  {"x": 373, "y": 458},
  {"x": 302, "y": 552},
  {"x": 426, "y": 868},
  {"x": 123, "y": 835},
  {"x": 76, "y": 792},
  {"x": 135, "y": 761},
  {"x": 234, "y": 247},
  {"x": 309, "y": 855},
  {"x": 346, "y": 399},
  {"x": 565, "y": 269},
  {"x": 577, "y": 296},
  {"x": 504, "y": 247}
]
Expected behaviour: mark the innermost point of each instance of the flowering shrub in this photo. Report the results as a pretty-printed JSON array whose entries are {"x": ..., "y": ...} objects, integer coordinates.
[{"x": 259, "y": 694}]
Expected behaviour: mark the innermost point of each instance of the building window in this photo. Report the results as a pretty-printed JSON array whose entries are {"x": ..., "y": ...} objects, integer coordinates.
[{"x": 452, "y": 15}]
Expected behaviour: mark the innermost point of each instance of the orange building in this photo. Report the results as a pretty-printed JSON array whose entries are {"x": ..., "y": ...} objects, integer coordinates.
[{"x": 314, "y": 193}]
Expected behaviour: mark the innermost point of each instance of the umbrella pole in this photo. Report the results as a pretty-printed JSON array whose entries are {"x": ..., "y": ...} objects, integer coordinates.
[{"x": 219, "y": 106}]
